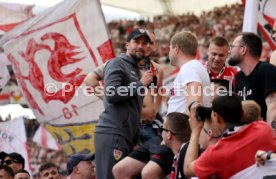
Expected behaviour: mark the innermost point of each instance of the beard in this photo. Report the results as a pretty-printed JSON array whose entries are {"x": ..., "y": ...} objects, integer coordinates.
[
  {"x": 233, "y": 61},
  {"x": 137, "y": 57}
]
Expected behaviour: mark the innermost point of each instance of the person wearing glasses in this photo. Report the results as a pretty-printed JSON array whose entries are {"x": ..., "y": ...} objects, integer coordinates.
[
  {"x": 210, "y": 135},
  {"x": 13, "y": 160},
  {"x": 273, "y": 55},
  {"x": 256, "y": 80},
  {"x": 217, "y": 54},
  {"x": 236, "y": 149},
  {"x": 176, "y": 135}
]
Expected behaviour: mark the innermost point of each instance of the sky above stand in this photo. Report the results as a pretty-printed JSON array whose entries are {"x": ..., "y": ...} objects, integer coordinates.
[{"x": 109, "y": 12}]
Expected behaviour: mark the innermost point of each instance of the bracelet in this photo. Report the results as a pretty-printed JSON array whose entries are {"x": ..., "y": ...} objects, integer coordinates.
[{"x": 268, "y": 155}]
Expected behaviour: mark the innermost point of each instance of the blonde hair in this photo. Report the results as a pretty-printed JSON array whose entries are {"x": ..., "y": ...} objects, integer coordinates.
[
  {"x": 252, "y": 111},
  {"x": 186, "y": 41}
]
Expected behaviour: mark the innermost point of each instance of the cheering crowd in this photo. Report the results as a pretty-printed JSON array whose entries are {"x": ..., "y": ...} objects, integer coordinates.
[{"x": 220, "y": 107}]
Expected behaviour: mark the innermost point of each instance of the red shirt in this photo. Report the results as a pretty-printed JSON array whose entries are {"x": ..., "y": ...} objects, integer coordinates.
[
  {"x": 226, "y": 73},
  {"x": 236, "y": 152}
]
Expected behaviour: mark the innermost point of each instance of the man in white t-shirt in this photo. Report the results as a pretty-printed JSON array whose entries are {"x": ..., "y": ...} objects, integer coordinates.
[{"x": 193, "y": 79}]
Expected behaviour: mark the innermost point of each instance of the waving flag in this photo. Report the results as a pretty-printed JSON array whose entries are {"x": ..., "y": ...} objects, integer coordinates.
[
  {"x": 10, "y": 15},
  {"x": 13, "y": 14},
  {"x": 13, "y": 138},
  {"x": 45, "y": 139},
  {"x": 261, "y": 14},
  {"x": 51, "y": 54}
]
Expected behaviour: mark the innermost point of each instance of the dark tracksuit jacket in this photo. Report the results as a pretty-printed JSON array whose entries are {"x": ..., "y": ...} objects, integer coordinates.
[{"x": 122, "y": 112}]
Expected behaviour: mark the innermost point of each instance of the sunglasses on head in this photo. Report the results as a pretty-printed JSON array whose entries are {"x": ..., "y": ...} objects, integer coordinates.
[{"x": 8, "y": 162}]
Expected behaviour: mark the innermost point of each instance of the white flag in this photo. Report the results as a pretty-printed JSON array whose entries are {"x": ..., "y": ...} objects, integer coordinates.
[
  {"x": 13, "y": 138},
  {"x": 260, "y": 14},
  {"x": 12, "y": 14},
  {"x": 51, "y": 54}
]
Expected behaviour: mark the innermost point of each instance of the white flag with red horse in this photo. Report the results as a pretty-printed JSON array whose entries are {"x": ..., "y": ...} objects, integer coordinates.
[{"x": 51, "y": 54}]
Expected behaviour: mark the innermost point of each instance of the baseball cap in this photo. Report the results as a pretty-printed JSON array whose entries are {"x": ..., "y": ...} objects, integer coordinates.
[
  {"x": 136, "y": 33},
  {"x": 75, "y": 159},
  {"x": 14, "y": 156}
]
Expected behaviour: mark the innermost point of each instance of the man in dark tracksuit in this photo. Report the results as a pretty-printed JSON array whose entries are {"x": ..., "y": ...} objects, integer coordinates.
[{"x": 123, "y": 99}]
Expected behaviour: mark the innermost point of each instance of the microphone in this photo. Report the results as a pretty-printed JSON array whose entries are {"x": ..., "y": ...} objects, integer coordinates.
[
  {"x": 147, "y": 63},
  {"x": 147, "y": 67}
]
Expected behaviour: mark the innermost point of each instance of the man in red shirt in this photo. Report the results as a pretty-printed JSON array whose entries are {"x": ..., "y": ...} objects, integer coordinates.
[
  {"x": 236, "y": 149},
  {"x": 217, "y": 55}
]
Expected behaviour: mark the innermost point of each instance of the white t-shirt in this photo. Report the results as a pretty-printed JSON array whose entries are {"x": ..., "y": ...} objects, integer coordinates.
[{"x": 192, "y": 71}]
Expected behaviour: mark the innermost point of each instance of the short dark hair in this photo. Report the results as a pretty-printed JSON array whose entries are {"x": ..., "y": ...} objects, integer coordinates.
[
  {"x": 222, "y": 82},
  {"x": 46, "y": 166},
  {"x": 15, "y": 156},
  {"x": 219, "y": 41},
  {"x": 229, "y": 107},
  {"x": 253, "y": 42},
  {"x": 178, "y": 123},
  {"x": 7, "y": 169},
  {"x": 22, "y": 171}
]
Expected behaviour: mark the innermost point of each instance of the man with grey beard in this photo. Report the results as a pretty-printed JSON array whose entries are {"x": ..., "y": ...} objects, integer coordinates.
[{"x": 123, "y": 98}]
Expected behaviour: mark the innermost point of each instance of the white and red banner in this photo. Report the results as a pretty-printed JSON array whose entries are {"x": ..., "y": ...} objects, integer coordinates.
[
  {"x": 51, "y": 54},
  {"x": 13, "y": 138},
  {"x": 260, "y": 14},
  {"x": 10, "y": 15},
  {"x": 13, "y": 14}
]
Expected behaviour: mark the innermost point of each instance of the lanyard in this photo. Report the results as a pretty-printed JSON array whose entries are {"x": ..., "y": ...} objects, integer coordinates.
[
  {"x": 218, "y": 76},
  {"x": 174, "y": 171}
]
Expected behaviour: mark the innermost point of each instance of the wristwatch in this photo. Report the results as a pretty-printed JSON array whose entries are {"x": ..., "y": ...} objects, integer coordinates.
[{"x": 268, "y": 155}]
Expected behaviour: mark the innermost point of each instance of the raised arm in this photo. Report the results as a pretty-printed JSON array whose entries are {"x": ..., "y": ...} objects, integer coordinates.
[
  {"x": 93, "y": 79},
  {"x": 193, "y": 92},
  {"x": 192, "y": 151}
]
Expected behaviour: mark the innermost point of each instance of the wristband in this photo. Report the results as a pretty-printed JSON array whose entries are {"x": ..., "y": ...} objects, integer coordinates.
[{"x": 268, "y": 155}]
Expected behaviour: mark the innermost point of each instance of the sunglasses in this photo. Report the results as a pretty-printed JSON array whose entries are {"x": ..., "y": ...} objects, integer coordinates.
[
  {"x": 8, "y": 162},
  {"x": 161, "y": 129}
]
